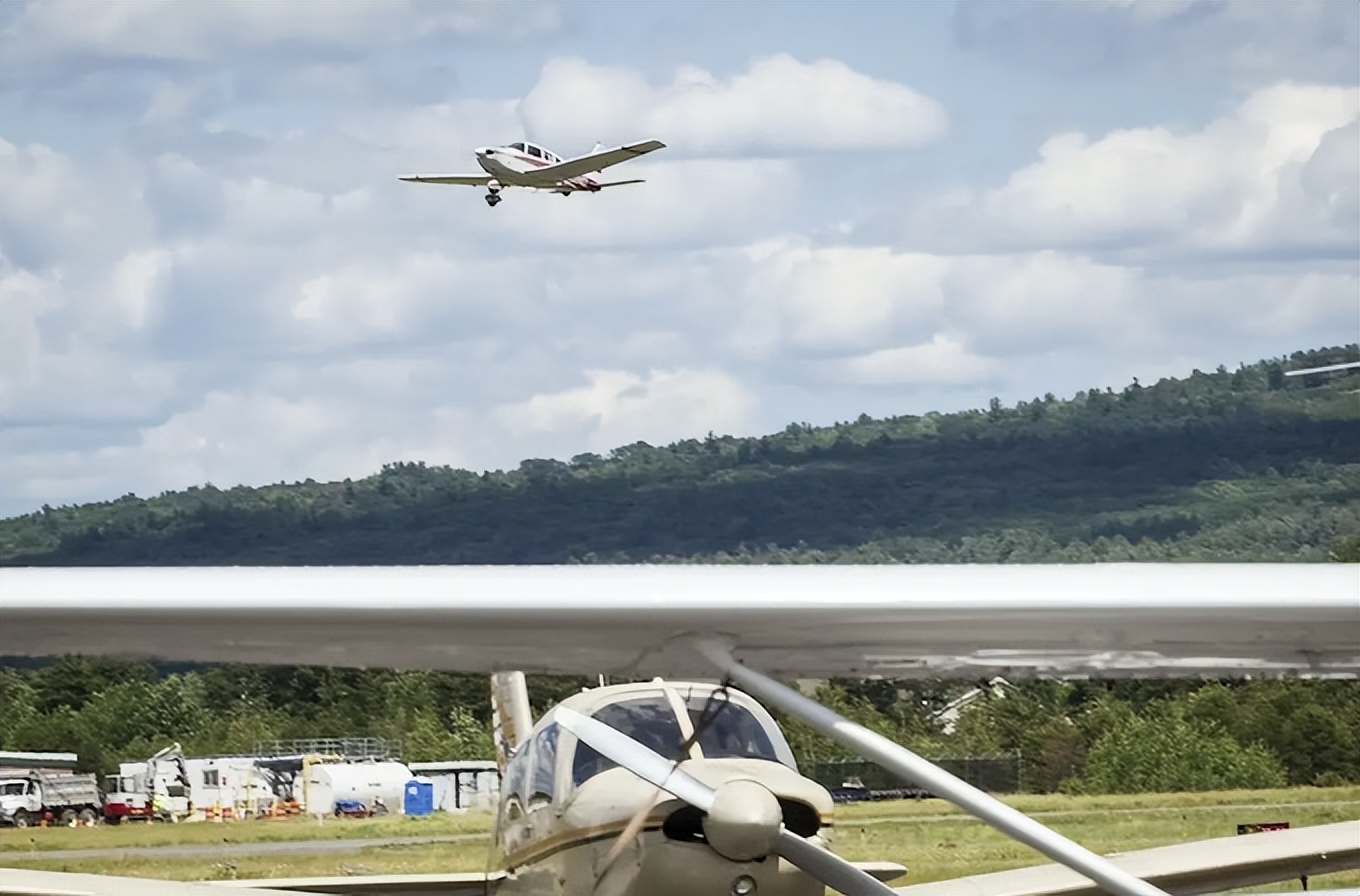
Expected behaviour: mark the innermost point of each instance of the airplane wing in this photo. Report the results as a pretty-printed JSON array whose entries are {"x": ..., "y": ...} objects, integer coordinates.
[
  {"x": 454, "y": 884},
  {"x": 598, "y": 161},
  {"x": 1349, "y": 365},
  {"x": 27, "y": 882},
  {"x": 896, "y": 621},
  {"x": 464, "y": 180},
  {"x": 1183, "y": 869}
]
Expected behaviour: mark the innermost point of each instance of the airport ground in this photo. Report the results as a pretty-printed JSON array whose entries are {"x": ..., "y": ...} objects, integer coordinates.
[{"x": 929, "y": 836}]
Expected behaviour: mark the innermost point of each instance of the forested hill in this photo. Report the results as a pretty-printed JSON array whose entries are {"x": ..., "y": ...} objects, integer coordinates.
[{"x": 1230, "y": 465}]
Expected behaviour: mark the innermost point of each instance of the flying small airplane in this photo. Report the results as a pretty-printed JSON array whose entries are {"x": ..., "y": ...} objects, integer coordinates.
[
  {"x": 671, "y": 786},
  {"x": 530, "y": 165}
]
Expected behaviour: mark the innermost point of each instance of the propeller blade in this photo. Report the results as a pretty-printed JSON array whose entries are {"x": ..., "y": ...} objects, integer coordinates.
[
  {"x": 825, "y": 866},
  {"x": 642, "y": 761}
]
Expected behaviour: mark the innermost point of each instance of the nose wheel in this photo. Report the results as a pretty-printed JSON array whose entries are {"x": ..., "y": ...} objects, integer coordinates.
[{"x": 493, "y": 199}]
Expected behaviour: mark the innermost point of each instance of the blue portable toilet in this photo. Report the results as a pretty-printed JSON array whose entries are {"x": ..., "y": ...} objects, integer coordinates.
[{"x": 419, "y": 797}]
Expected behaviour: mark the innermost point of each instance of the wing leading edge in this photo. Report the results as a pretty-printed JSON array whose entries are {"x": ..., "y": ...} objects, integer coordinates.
[{"x": 895, "y": 621}]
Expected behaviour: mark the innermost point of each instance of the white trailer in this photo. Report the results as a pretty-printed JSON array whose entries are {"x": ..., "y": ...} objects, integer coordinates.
[{"x": 462, "y": 784}]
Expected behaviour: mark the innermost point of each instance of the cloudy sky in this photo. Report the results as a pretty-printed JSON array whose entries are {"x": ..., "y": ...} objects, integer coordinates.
[{"x": 209, "y": 272}]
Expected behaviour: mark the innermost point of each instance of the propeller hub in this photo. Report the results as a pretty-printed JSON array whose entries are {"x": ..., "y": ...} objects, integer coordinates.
[{"x": 743, "y": 822}]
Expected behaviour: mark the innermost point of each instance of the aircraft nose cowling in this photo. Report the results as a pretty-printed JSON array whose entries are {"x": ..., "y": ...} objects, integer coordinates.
[{"x": 743, "y": 821}]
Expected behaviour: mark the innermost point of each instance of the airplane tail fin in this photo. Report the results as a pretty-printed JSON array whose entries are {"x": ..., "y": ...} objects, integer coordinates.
[{"x": 511, "y": 719}]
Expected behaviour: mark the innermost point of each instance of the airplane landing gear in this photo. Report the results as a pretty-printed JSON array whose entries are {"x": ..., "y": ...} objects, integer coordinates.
[{"x": 492, "y": 199}]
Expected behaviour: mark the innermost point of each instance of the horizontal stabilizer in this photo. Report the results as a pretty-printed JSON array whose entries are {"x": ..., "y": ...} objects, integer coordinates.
[{"x": 619, "y": 183}]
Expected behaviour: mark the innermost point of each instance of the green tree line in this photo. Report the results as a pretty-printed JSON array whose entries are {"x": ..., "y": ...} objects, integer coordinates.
[
  {"x": 1245, "y": 464},
  {"x": 1126, "y": 736}
]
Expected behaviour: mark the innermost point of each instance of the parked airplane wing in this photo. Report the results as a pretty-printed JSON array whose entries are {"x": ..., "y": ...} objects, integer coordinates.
[
  {"x": 27, "y": 882},
  {"x": 452, "y": 884},
  {"x": 896, "y": 621},
  {"x": 598, "y": 161},
  {"x": 1206, "y": 866},
  {"x": 464, "y": 180}
]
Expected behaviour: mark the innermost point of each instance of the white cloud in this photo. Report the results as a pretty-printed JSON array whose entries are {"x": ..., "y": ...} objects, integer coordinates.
[
  {"x": 1227, "y": 187},
  {"x": 814, "y": 300},
  {"x": 617, "y": 407},
  {"x": 198, "y": 32},
  {"x": 779, "y": 106},
  {"x": 24, "y": 298},
  {"x": 942, "y": 361},
  {"x": 1033, "y": 302}
]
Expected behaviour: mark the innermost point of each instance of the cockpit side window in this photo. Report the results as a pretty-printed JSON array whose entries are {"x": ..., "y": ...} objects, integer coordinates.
[
  {"x": 545, "y": 764},
  {"x": 534, "y": 151},
  {"x": 649, "y": 720},
  {"x": 518, "y": 146},
  {"x": 726, "y": 728}
]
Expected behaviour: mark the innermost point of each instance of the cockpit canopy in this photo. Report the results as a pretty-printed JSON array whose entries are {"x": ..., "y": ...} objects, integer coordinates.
[
  {"x": 535, "y": 151},
  {"x": 723, "y": 729},
  {"x": 662, "y": 716}
]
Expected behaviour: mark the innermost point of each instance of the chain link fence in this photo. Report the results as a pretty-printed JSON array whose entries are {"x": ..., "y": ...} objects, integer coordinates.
[{"x": 854, "y": 780}]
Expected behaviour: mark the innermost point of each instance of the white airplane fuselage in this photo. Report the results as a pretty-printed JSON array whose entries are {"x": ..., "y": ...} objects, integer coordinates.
[
  {"x": 564, "y": 808},
  {"x": 511, "y": 167}
]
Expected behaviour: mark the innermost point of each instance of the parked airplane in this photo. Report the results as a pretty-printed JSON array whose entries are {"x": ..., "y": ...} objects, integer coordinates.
[
  {"x": 532, "y": 166},
  {"x": 669, "y": 786}
]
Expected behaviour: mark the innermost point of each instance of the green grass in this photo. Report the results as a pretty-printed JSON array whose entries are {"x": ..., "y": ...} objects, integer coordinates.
[
  {"x": 933, "y": 840},
  {"x": 131, "y": 835},
  {"x": 431, "y": 858},
  {"x": 930, "y": 837}
]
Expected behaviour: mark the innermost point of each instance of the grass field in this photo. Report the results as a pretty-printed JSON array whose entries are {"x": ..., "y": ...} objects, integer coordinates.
[
  {"x": 930, "y": 837},
  {"x": 133, "y": 835}
]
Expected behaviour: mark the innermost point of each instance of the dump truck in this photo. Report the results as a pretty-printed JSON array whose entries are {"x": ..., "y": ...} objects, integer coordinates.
[{"x": 33, "y": 797}]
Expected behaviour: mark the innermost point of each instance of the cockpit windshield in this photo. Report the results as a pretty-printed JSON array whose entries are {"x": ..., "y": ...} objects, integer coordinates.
[
  {"x": 517, "y": 146},
  {"x": 728, "y": 729},
  {"x": 648, "y": 720},
  {"x": 723, "y": 727}
]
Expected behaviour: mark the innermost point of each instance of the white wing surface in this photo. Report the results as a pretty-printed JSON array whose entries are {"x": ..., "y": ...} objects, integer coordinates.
[
  {"x": 598, "y": 161},
  {"x": 1205, "y": 866},
  {"x": 897, "y": 621},
  {"x": 462, "y": 180},
  {"x": 25, "y": 882}
]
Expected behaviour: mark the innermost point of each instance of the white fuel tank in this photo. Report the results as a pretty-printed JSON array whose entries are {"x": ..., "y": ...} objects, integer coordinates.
[{"x": 366, "y": 782}]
